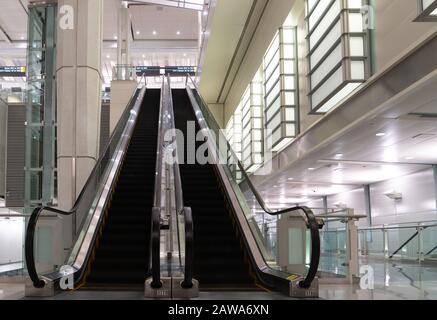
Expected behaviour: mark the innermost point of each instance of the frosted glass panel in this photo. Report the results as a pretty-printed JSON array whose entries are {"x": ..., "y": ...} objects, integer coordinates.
[
  {"x": 275, "y": 122},
  {"x": 328, "y": 19},
  {"x": 272, "y": 66},
  {"x": 328, "y": 64},
  {"x": 288, "y": 35},
  {"x": 289, "y": 114},
  {"x": 271, "y": 82},
  {"x": 354, "y": 4},
  {"x": 289, "y": 66},
  {"x": 355, "y": 22},
  {"x": 343, "y": 93},
  {"x": 273, "y": 108},
  {"x": 328, "y": 87},
  {"x": 272, "y": 50},
  {"x": 326, "y": 44},
  {"x": 356, "y": 46},
  {"x": 288, "y": 51},
  {"x": 290, "y": 130},
  {"x": 273, "y": 94},
  {"x": 317, "y": 13},
  {"x": 289, "y": 98},
  {"x": 357, "y": 70},
  {"x": 289, "y": 83},
  {"x": 311, "y": 4}
]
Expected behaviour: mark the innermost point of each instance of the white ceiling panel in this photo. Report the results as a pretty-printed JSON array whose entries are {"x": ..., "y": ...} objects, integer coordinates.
[{"x": 151, "y": 22}]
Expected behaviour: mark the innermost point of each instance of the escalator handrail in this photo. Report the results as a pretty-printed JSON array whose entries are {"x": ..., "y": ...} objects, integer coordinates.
[
  {"x": 36, "y": 213},
  {"x": 180, "y": 208},
  {"x": 308, "y": 216},
  {"x": 155, "y": 235}
]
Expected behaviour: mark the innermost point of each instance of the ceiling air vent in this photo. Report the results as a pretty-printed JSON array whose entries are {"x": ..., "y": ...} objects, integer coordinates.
[{"x": 422, "y": 116}]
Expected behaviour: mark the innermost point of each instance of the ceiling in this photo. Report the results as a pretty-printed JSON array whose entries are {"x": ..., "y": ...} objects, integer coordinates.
[{"x": 176, "y": 41}]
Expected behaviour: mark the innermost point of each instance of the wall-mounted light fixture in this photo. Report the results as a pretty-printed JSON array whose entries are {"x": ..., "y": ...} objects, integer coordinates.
[
  {"x": 393, "y": 195},
  {"x": 427, "y": 11},
  {"x": 338, "y": 51}
]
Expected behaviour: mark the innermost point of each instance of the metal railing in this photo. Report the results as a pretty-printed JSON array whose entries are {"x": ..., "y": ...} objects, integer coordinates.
[{"x": 416, "y": 241}]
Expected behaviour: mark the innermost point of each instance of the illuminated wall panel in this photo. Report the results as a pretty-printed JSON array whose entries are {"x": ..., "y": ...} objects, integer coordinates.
[
  {"x": 338, "y": 51},
  {"x": 253, "y": 124},
  {"x": 281, "y": 88}
]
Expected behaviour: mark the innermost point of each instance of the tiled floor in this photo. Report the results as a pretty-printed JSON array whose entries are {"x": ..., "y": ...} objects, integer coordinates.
[
  {"x": 393, "y": 281},
  {"x": 11, "y": 291}
]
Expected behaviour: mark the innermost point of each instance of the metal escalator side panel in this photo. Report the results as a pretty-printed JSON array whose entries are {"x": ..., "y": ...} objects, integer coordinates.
[{"x": 94, "y": 212}]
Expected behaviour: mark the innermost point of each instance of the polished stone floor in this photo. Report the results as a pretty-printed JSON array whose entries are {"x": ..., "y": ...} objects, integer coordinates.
[{"x": 394, "y": 280}]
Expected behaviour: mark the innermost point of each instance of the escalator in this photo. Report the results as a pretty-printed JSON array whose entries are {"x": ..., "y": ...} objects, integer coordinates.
[
  {"x": 112, "y": 214},
  {"x": 122, "y": 256},
  {"x": 220, "y": 259}
]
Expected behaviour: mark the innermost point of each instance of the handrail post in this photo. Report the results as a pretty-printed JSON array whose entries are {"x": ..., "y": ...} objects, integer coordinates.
[
  {"x": 385, "y": 244},
  {"x": 420, "y": 252}
]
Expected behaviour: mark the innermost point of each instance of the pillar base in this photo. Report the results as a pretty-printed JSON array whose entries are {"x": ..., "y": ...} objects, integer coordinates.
[
  {"x": 298, "y": 292},
  {"x": 161, "y": 293},
  {"x": 182, "y": 293}
]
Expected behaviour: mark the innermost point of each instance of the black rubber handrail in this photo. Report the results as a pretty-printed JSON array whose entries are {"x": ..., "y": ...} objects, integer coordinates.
[
  {"x": 405, "y": 243},
  {"x": 30, "y": 231},
  {"x": 310, "y": 218},
  {"x": 155, "y": 248},
  {"x": 155, "y": 235},
  {"x": 189, "y": 249}
]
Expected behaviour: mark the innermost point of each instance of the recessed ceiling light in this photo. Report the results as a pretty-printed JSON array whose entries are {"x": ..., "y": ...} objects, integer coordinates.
[
  {"x": 143, "y": 55},
  {"x": 290, "y": 179},
  {"x": 138, "y": 32},
  {"x": 115, "y": 37},
  {"x": 185, "y": 54},
  {"x": 339, "y": 155},
  {"x": 108, "y": 56},
  {"x": 205, "y": 12},
  {"x": 154, "y": 32},
  {"x": 380, "y": 134},
  {"x": 409, "y": 158},
  {"x": 178, "y": 32},
  {"x": 311, "y": 169}
]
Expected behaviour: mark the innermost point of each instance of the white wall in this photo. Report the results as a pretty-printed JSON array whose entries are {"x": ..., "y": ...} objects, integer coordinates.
[
  {"x": 395, "y": 29},
  {"x": 11, "y": 240},
  {"x": 418, "y": 202}
]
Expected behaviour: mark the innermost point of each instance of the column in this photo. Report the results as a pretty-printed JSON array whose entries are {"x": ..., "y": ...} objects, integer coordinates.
[
  {"x": 123, "y": 34},
  {"x": 78, "y": 102},
  {"x": 124, "y": 79}
]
